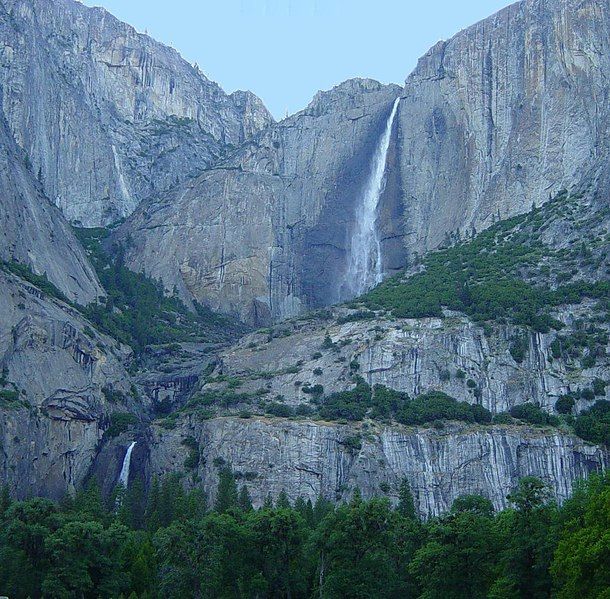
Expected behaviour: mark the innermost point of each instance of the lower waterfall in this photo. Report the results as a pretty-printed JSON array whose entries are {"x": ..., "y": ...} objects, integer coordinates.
[
  {"x": 124, "y": 475},
  {"x": 364, "y": 268}
]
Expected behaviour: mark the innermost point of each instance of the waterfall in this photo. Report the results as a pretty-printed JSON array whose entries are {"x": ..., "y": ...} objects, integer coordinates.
[
  {"x": 124, "y": 475},
  {"x": 364, "y": 268}
]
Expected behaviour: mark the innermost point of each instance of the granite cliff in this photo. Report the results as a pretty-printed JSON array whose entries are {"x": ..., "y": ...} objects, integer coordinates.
[
  {"x": 256, "y": 219},
  {"x": 501, "y": 117},
  {"x": 274, "y": 218},
  {"x": 107, "y": 115},
  {"x": 34, "y": 233},
  {"x": 60, "y": 381},
  {"x": 310, "y": 459}
]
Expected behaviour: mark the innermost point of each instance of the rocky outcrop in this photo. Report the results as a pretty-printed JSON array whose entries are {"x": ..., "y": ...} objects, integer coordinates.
[
  {"x": 225, "y": 421},
  {"x": 502, "y": 116},
  {"x": 108, "y": 115},
  {"x": 54, "y": 391},
  {"x": 464, "y": 360},
  {"x": 169, "y": 374},
  {"x": 34, "y": 233},
  {"x": 264, "y": 235},
  {"x": 309, "y": 459}
]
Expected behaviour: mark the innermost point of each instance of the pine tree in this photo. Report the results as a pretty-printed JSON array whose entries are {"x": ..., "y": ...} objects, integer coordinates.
[
  {"x": 5, "y": 500},
  {"x": 89, "y": 502},
  {"x": 356, "y": 498},
  {"x": 226, "y": 497},
  {"x": 321, "y": 508},
  {"x": 245, "y": 501},
  {"x": 406, "y": 504},
  {"x": 305, "y": 509},
  {"x": 195, "y": 504},
  {"x": 283, "y": 502},
  {"x": 153, "y": 521},
  {"x": 131, "y": 512}
]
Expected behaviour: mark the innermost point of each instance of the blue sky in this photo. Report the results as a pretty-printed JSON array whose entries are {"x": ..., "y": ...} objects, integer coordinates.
[{"x": 286, "y": 50}]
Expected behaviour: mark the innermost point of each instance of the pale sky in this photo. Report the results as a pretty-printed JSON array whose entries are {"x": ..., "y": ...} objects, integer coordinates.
[{"x": 287, "y": 50}]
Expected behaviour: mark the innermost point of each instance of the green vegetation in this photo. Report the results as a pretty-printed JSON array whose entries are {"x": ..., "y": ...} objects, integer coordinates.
[
  {"x": 587, "y": 344},
  {"x": 519, "y": 347},
  {"x": 594, "y": 424},
  {"x": 495, "y": 276},
  {"x": 40, "y": 281},
  {"x": 138, "y": 311},
  {"x": 279, "y": 409},
  {"x": 120, "y": 422},
  {"x": 9, "y": 398},
  {"x": 192, "y": 460},
  {"x": 529, "y": 412},
  {"x": 170, "y": 544},
  {"x": 381, "y": 403}
]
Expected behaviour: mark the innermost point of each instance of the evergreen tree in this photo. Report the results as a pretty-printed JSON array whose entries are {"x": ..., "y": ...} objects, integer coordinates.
[
  {"x": 245, "y": 501},
  {"x": 358, "y": 549},
  {"x": 5, "y": 500},
  {"x": 458, "y": 558},
  {"x": 283, "y": 502},
  {"x": 152, "y": 515},
  {"x": 279, "y": 540},
  {"x": 530, "y": 550},
  {"x": 406, "y": 504},
  {"x": 226, "y": 496},
  {"x": 268, "y": 504},
  {"x": 581, "y": 565},
  {"x": 89, "y": 502},
  {"x": 321, "y": 509},
  {"x": 131, "y": 512},
  {"x": 195, "y": 504},
  {"x": 356, "y": 498},
  {"x": 305, "y": 509}
]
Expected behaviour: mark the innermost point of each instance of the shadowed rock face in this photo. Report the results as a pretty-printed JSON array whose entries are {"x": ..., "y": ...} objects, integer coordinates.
[
  {"x": 502, "y": 116},
  {"x": 265, "y": 234},
  {"x": 108, "y": 115}
]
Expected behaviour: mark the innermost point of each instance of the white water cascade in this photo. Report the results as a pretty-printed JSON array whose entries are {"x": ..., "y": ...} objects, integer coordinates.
[
  {"x": 124, "y": 475},
  {"x": 364, "y": 268}
]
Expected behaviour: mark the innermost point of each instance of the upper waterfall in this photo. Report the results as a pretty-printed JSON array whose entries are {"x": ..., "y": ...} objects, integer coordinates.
[
  {"x": 364, "y": 267},
  {"x": 124, "y": 475}
]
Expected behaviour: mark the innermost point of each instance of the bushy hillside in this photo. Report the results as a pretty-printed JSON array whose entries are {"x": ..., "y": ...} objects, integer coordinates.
[{"x": 517, "y": 270}]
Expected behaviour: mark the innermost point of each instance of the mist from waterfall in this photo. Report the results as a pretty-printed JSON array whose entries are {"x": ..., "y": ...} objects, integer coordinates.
[
  {"x": 124, "y": 475},
  {"x": 364, "y": 267}
]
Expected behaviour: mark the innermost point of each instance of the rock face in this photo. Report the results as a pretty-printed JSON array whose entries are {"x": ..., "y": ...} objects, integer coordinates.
[
  {"x": 255, "y": 218},
  {"x": 33, "y": 232},
  {"x": 451, "y": 355},
  {"x": 504, "y": 115},
  {"x": 108, "y": 115},
  {"x": 264, "y": 235},
  {"x": 310, "y": 459},
  {"x": 58, "y": 365}
]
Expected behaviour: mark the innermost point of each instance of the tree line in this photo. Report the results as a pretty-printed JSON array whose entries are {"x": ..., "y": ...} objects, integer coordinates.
[{"x": 170, "y": 543}]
